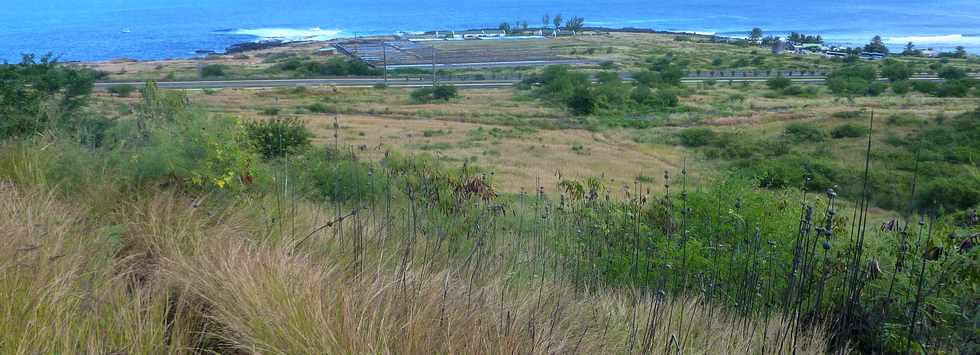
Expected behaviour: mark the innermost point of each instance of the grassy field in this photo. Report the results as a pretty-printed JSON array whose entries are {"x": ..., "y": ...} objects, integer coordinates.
[{"x": 378, "y": 220}]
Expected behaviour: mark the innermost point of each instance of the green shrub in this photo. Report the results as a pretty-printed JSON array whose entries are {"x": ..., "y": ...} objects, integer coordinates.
[
  {"x": 951, "y": 193},
  {"x": 852, "y": 80},
  {"x": 40, "y": 93},
  {"x": 848, "y": 131},
  {"x": 331, "y": 177},
  {"x": 952, "y": 73},
  {"x": 876, "y": 89},
  {"x": 270, "y": 111},
  {"x": 332, "y": 67},
  {"x": 213, "y": 71},
  {"x": 582, "y": 102},
  {"x": 665, "y": 98},
  {"x": 320, "y": 107},
  {"x": 121, "y": 90},
  {"x": 905, "y": 119},
  {"x": 779, "y": 83},
  {"x": 901, "y": 87},
  {"x": 954, "y": 88},
  {"x": 642, "y": 95},
  {"x": 278, "y": 137},
  {"x": 848, "y": 114},
  {"x": 789, "y": 171},
  {"x": 195, "y": 150},
  {"x": 925, "y": 87},
  {"x": 434, "y": 93},
  {"x": 896, "y": 71},
  {"x": 697, "y": 137},
  {"x": 804, "y": 132}
]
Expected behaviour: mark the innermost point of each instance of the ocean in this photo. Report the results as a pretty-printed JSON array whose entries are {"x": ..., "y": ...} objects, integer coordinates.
[{"x": 87, "y": 30}]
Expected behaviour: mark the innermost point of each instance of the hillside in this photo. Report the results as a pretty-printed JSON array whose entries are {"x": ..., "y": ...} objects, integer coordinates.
[{"x": 576, "y": 212}]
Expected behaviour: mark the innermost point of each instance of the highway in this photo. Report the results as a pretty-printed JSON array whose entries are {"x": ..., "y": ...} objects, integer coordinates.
[{"x": 413, "y": 82}]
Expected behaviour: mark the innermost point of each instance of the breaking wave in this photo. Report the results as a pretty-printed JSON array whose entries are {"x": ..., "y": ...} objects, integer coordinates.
[
  {"x": 289, "y": 34},
  {"x": 942, "y": 40}
]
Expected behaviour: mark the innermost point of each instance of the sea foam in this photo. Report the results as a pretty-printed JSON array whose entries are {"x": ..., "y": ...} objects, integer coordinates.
[
  {"x": 941, "y": 40},
  {"x": 290, "y": 34}
]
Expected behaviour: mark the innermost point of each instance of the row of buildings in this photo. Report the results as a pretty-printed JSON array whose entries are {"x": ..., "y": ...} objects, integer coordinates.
[
  {"x": 464, "y": 35},
  {"x": 781, "y": 47}
]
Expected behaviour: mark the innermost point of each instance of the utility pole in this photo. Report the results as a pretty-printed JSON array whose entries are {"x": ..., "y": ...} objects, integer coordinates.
[
  {"x": 433, "y": 66},
  {"x": 384, "y": 56}
]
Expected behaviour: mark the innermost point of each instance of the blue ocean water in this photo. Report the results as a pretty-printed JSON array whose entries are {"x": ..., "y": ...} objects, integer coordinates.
[{"x": 156, "y": 29}]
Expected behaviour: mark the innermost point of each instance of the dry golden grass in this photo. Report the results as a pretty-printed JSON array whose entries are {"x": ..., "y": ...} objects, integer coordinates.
[
  {"x": 62, "y": 292},
  {"x": 185, "y": 276}
]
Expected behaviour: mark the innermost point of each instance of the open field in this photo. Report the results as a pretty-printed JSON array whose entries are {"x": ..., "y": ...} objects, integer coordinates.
[
  {"x": 525, "y": 141},
  {"x": 614, "y": 208}
]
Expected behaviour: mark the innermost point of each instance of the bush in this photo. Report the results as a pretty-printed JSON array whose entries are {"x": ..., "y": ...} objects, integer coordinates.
[
  {"x": 340, "y": 179},
  {"x": 213, "y": 71},
  {"x": 951, "y": 193},
  {"x": 278, "y": 137},
  {"x": 925, "y": 87},
  {"x": 121, "y": 90},
  {"x": 434, "y": 93},
  {"x": 853, "y": 80},
  {"x": 270, "y": 111},
  {"x": 876, "y": 89},
  {"x": 848, "y": 131},
  {"x": 196, "y": 150},
  {"x": 896, "y": 71},
  {"x": 332, "y": 67},
  {"x": 952, "y": 73},
  {"x": 804, "y": 132},
  {"x": 789, "y": 171},
  {"x": 665, "y": 98},
  {"x": 40, "y": 93},
  {"x": 905, "y": 119},
  {"x": 954, "y": 88},
  {"x": 901, "y": 87},
  {"x": 319, "y": 107},
  {"x": 697, "y": 137},
  {"x": 582, "y": 102},
  {"x": 779, "y": 83},
  {"x": 848, "y": 114}
]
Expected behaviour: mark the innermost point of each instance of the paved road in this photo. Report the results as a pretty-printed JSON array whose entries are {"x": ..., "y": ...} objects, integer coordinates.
[
  {"x": 273, "y": 83},
  {"x": 411, "y": 83}
]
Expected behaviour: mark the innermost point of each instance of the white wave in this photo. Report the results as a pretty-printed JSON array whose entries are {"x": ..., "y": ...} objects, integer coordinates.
[
  {"x": 949, "y": 40},
  {"x": 290, "y": 34},
  {"x": 702, "y": 33}
]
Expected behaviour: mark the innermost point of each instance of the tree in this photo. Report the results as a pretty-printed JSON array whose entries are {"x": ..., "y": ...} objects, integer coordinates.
[
  {"x": 40, "y": 92},
  {"x": 779, "y": 82},
  {"x": 756, "y": 35},
  {"x": 960, "y": 52},
  {"x": 582, "y": 102},
  {"x": 212, "y": 71},
  {"x": 505, "y": 27},
  {"x": 910, "y": 50},
  {"x": 795, "y": 37},
  {"x": 545, "y": 22},
  {"x": 876, "y": 46},
  {"x": 895, "y": 70},
  {"x": 557, "y": 21},
  {"x": 575, "y": 24},
  {"x": 851, "y": 81},
  {"x": 952, "y": 73}
]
